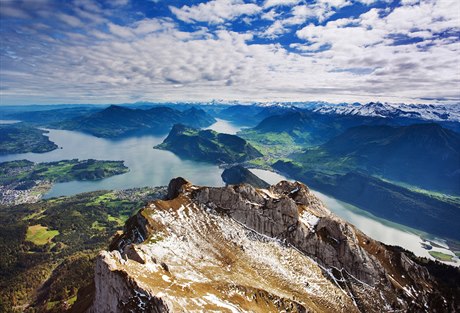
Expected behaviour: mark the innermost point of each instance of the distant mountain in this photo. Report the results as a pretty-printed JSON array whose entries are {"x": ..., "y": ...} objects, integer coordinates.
[
  {"x": 46, "y": 117},
  {"x": 117, "y": 121},
  {"x": 208, "y": 145},
  {"x": 237, "y": 174},
  {"x": 383, "y": 199},
  {"x": 252, "y": 114},
  {"x": 425, "y": 155},
  {"x": 431, "y": 112},
  {"x": 310, "y": 128}
]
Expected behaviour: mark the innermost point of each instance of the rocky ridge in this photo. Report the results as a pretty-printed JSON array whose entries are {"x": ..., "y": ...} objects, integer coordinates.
[{"x": 237, "y": 249}]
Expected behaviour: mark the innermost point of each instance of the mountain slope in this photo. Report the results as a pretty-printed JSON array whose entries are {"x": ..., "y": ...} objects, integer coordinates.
[
  {"x": 116, "y": 121},
  {"x": 424, "y": 155},
  {"x": 208, "y": 145},
  {"x": 253, "y": 114},
  {"x": 244, "y": 249},
  {"x": 386, "y": 200},
  {"x": 311, "y": 128},
  {"x": 50, "y": 116},
  {"x": 301, "y": 125}
]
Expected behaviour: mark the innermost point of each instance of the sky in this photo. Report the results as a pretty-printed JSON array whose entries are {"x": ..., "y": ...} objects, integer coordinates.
[{"x": 120, "y": 51}]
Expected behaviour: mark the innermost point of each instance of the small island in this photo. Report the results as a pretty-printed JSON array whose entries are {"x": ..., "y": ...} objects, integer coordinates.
[
  {"x": 24, "y": 181},
  {"x": 208, "y": 145},
  {"x": 19, "y": 138}
]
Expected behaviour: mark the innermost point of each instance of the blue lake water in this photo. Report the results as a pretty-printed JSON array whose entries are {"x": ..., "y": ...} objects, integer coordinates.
[{"x": 152, "y": 167}]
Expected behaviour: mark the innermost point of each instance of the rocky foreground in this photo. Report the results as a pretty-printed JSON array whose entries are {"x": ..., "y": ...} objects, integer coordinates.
[{"x": 238, "y": 249}]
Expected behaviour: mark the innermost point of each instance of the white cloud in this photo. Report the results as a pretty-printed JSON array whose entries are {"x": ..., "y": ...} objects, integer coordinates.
[
  {"x": 152, "y": 25},
  {"x": 409, "y": 2},
  {"x": 275, "y": 3},
  {"x": 12, "y": 12},
  {"x": 369, "y": 2},
  {"x": 70, "y": 20},
  {"x": 88, "y": 5},
  {"x": 319, "y": 10},
  {"x": 121, "y": 31},
  {"x": 276, "y": 29},
  {"x": 349, "y": 59},
  {"x": 215, "y": 11},
  {"x": 333, "y": 3},
  {"x": 118, "y": 3},
  {"x": 270, "y": 15}
]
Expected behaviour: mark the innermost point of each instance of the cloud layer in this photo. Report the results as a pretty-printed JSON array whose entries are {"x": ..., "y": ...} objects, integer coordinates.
[{"x": 333, "y": 50}]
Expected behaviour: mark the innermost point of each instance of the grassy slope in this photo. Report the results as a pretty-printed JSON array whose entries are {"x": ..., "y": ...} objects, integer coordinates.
[
  {"x": 441, "y": 256},
  {"x": 40, "y": 235},
  {"x": 273, "y": 146},
  {"x": 53, "y": 242}
]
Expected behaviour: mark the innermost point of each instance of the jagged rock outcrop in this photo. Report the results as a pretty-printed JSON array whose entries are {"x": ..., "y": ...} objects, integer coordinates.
[{"x": 240, "y": 249}]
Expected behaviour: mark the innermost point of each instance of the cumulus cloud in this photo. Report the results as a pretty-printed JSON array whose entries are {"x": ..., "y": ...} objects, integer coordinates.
[
  {"x": 407, "y": 53},
  {"x": 275, "y": 3},
  {"x": 215, "y": 11},
  {"x": 319, "y": 11}
]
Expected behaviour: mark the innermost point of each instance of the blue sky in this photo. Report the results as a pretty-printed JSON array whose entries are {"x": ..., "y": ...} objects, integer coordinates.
[{"x": 117, "y": 51}]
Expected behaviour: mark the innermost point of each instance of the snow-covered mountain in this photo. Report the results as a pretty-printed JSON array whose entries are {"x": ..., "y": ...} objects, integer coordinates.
[{"x": 431, "y": 112}]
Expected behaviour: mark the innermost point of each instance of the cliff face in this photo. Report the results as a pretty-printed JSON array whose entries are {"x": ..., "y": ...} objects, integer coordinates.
[{"x": 236, "y": 249}]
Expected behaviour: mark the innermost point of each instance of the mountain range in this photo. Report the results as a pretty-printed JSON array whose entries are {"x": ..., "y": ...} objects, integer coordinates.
[
  {"x": 424, "y": 155},
  {"x": 117, "y": 121},
  {"x": 448, "y": 112}
]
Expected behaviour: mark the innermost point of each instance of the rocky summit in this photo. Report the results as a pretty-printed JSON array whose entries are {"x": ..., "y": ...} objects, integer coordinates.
[{"x": 242, "y": 249}]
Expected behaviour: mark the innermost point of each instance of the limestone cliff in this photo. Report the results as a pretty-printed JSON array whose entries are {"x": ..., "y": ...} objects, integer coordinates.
[{"x": 241, "y": 249}]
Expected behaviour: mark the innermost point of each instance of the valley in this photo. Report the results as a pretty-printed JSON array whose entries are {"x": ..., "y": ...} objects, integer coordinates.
[
  {"x": 229, "y": 156},
  {"x": 195, "y": 154}
]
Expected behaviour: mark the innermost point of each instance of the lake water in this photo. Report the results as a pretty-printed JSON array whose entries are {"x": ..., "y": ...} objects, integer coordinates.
[
  {"x": 223, "y": 126},
  {"x": 148, "y": 166},
  {"x": 152, "y": 167}
]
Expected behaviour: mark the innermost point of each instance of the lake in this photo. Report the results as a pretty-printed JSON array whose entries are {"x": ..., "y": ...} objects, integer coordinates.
[{"x": 152, "y": 167}]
